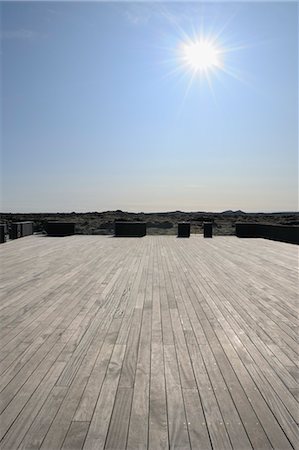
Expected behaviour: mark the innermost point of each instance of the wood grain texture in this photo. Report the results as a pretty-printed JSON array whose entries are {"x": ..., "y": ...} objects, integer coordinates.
[{"x": 149, "y": 343}]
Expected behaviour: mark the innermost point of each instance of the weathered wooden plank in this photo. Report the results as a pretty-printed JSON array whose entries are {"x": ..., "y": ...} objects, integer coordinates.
[
  {"x": 148, "y": 343},
  {"x": 23, "y": 422},
  {"x": 119, "y": 424},
  {"x": 158, "y": 427},
  {"x": 99, "y": 425},
  {"x": 60, "y": 425},
  {"x": 14, "y": 398},
  {"x": 88, "y": 400},
  {"x": 76, "y": 435},
  {"x": 177, "y": 422},
  {"x": 42, "y": 422},
  {"x": 215, "y": 422},
  {"x": 198, "y": 431},
  {"x": 252, "y": 425},
  {"x": 138, "y": 427}
]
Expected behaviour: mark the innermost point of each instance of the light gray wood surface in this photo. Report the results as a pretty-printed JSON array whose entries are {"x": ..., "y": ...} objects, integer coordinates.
[{"x": 148, "y": 343}]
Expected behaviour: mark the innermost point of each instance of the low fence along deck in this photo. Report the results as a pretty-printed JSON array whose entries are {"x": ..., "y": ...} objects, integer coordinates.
[
  {"x": 2, "y": 233},
  {"x": 60, "y": 228},
  {"x": 283, "y": 233},
  {"x": 20, "y": 229},
  {"x": 129, "y": 229}
]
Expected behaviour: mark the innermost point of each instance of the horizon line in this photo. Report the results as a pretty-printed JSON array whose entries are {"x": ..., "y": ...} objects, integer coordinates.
[{"x": 155, "y": 212}]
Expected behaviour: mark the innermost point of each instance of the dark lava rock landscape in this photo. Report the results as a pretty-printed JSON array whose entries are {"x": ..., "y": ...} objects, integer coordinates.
[{"x": 157, "y": 223}]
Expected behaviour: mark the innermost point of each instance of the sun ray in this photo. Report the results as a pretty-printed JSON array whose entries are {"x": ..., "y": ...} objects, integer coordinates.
[
  {"x": 189, "y": 85},
  {"x": 203, "y": 52},
  {"x": 237, "y": 75},
  {"x": 211, "y": 88}
]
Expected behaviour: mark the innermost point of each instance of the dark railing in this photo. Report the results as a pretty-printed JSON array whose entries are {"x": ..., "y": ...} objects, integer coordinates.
[
  {"x": 129, "y": 229},
  {"x": 60, "y": 228},
  {"x": 15, "y": 230},
  {"x": 20, "y": 229},
  {"x": 283, "y": 233},
  {"x": 27, "y": 228},
  {"x": 3, "y": 231}
]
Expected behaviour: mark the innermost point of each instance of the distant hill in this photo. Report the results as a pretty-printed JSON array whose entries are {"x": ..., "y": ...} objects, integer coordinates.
[
  {"x": 229, "y": 212},
  {"x": 158, "y": 223}
]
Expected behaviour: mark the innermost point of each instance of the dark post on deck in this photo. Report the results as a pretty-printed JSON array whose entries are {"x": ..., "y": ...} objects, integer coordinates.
[
  {"x": 183, "y": 230},
  {"x": 27, "y": 228},
  {"x": 2, "y": 233},
  {"x": 60, "y": 228},
  {"x": 208, "y": 229},
  {"x": 129, "y": 229}
]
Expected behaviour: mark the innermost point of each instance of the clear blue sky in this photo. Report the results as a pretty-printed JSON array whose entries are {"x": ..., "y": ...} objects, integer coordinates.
[{"x": 98, "y": 112}]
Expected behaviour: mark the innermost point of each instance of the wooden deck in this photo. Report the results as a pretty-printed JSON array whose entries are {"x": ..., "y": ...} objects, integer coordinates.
[{"x": 154, "y": 342}]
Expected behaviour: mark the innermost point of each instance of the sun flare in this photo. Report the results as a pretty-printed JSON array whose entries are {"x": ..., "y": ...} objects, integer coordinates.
[
  {"x": 203, "y": 59},
  {"x": 201, "y": 55}
]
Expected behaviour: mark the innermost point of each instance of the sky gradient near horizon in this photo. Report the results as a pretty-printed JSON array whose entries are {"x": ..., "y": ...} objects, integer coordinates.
[{"x": 99, "y": 114}]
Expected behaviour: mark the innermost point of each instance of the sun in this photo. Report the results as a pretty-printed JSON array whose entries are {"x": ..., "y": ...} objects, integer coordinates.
[
  {"x": 202, "y": 58},
  {"x": 201, "y": 55}
]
